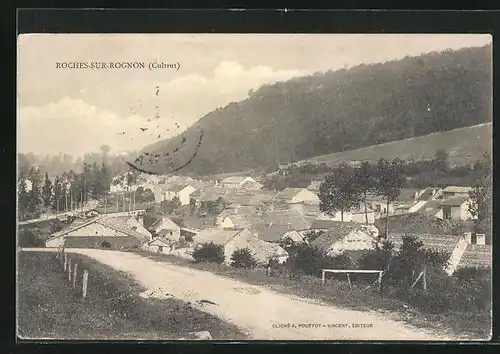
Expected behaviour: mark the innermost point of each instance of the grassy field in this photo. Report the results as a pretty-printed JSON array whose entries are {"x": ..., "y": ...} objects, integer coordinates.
[
  {"x": 465, "y": 146},
  {"x": 337, "y": 292},
  {"x": 48, "y": 307}
]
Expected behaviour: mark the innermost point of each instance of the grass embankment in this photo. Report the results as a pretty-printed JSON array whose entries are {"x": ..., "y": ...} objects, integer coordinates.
[
  {"x": 460, "y": 325},
  {"x": 48, "y": 306}
]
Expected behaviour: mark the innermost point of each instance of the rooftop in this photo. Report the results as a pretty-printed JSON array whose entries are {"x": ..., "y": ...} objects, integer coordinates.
[
  {"x": 431, "y": 241},
  {"x": 455, "y": 201},
  {"x": 289, "y": 193},
  {"x": 217, "y": 236},
  {"x": 457, "y": 189},
  {"x": 234, "y": 179},
  {"x": 336, "y": 233}
]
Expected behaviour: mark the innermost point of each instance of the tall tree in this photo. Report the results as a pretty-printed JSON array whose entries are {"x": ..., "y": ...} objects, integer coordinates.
[
  {"x": 480, "y": 204},
  {"x": 58, "y": 200},
  {"x": 23, "y": 195},
  {"x": 364, "y": 182},
  {"x": 338, "y": 192},
  {"x": 47, "y": 191},
  {"x": 35, "y": 195},
  {"x": 390, "y": 177}
]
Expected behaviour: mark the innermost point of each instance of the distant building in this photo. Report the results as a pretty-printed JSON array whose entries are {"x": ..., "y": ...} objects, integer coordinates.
[
  {"x": 453, "y": 191},
  {"x": 379, "y": 205},
  {"x": 235, "y": 182},
  {"x": 159, "y": 245},
  {"x": 456, "y": 208},
  {"x": 170, "y": 191},
  {"x": 297, "y": 195},
  {"x": 342, "y": 237},
  {"x": 166, "y": 228}
]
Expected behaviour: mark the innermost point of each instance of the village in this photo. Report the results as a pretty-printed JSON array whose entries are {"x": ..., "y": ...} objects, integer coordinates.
[
  {"x": 183, "y": 214},
  {"x": 340, "y": 194}
]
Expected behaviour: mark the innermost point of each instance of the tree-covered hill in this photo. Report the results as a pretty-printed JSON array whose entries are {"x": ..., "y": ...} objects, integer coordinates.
[{"x": 340, "y": 110}]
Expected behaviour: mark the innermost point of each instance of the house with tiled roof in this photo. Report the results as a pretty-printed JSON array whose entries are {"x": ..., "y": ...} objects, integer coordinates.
[
  {"x": 344, "y": 237},
  {"x": 166, "y": 228},
  {"x": 274, "y": 224},
  {"x": 106, "y": 231},
  {"x": 208, "y": 194},
  {"x": 477, "y": 256},
  {"x": 446, "y": 243},
  {"x": 235, "y": 181},
  {"x": 169, "y": 191},
  {"x": 297, "y": 195},
  {"x": 238, "y": 238},
  {"x": 456, "y": 208}
]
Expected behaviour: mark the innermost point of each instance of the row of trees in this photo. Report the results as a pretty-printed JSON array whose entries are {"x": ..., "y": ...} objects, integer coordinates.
[
  {"x": 70, "y": 190},
  {"x": 347, "y": 187},
  {"x": 436, "y": 171}
]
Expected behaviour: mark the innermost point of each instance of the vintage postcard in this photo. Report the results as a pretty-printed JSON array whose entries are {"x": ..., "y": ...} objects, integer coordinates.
[{"x": 254, "y": 187}]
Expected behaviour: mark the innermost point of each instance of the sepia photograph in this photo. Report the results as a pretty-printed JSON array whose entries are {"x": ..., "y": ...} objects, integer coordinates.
[{"x": 238, "y": 187}]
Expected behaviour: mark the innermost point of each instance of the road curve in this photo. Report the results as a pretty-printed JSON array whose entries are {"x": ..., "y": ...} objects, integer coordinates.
[{"x": 261, "y": 313}]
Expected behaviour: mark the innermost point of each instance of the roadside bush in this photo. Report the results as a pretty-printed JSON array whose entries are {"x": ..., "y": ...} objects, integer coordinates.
[
  {"x": 210, "y": 253},
  {"x": 30, "y": 238},
  {"x": 243, "y": 258},
  {"x": 469, "y": 274},
  {"x": 305, "y": 259},
  {"x": 447, "y": 294},
  {"x": 341, "y": 261},
  {"x": 379, "y": 257},
  {"x": 56, "y": 226}
]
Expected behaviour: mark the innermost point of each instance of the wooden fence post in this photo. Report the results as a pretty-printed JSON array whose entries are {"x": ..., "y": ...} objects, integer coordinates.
[
  {"x": 323, "y": 277},
  {"x": 69, "y": 270},
  {"x": 349, "y": 280},
  {"x": 85, "y": 281},
  {"x": 65, "y": 261},
  {"x": 74, "y": 275},
  {"x": 379, "y": 281}
]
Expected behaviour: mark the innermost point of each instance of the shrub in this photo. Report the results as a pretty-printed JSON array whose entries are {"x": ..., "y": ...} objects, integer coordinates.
[
  {"x": 305, "y": 259},
  {"x": 30, "y": 238},
  {"x": 469, "y": 274},
  {"x": 56, "y": 226},
  {"x": 210, "y": 253},
  {"x": 379, "y": 257},
  {"x": 243, "y": 258},
  {"x": 341, "y": 261}
]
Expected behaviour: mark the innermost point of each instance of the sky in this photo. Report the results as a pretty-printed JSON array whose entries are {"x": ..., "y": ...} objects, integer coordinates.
[{"x": 76, "y": 111}]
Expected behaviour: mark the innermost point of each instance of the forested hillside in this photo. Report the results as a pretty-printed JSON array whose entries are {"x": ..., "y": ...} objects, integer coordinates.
[{"x": 342, "y": 110}]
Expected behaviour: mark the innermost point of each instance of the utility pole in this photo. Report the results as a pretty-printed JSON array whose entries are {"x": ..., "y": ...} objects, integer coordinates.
[
  {"x": 134, "y": 200},
  {"x": 66, "y": 198}
]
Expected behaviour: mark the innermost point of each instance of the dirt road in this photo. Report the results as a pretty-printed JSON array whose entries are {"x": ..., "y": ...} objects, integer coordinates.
[{"x": 262, "y": 313}]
